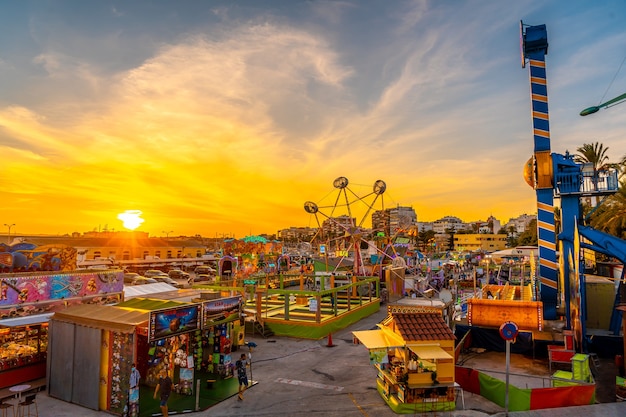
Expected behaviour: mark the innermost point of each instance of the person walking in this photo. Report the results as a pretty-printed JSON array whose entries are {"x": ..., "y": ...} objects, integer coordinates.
[
  {"x": 165, "y": 386},
  {"x": 242, "y": 376},
  {"x": 133, "y": 394}
]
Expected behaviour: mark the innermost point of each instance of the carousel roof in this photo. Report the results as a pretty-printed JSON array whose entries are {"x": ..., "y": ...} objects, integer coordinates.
[{"x": 255, "y": 239}]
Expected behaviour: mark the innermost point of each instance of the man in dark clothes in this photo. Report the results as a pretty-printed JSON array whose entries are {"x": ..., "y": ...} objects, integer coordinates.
[
  {"x": 165, "y": 386},
  {"x": 242, "y": 376}
]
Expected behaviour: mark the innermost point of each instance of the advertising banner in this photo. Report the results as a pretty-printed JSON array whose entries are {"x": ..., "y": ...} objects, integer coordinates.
[
  {"x": 219, "y": 311},
  {"x": 173, "y": 321}
]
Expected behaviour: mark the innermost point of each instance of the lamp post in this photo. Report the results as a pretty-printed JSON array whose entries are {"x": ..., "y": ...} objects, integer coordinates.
[
  {"x": 9, "y": 235},
  {"x": 167, "y": 234}
]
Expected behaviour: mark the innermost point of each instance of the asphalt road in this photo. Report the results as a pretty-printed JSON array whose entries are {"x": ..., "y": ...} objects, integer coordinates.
[
  {"x": 307, "y": 377},
  {"x": 297, "y": 377}
]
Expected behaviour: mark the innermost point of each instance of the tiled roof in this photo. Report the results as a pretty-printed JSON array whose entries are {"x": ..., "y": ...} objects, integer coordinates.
[{"x": 422, "y": 327}]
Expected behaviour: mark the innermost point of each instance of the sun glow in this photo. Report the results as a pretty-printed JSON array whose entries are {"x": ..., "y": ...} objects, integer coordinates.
[{"x": 131, "y": 219}]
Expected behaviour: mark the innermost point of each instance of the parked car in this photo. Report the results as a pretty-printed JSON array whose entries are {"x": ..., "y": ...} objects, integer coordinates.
[
  {"x": 204, "y": 277},
  {"x": 178, "y": 274},
  {"x": 143, "y": 280},
  {"x": 151, "y": 272},
  {"x": 202, "y": 269},
  {"x": 132, "y": 278},
  {"x": 164, "y": 278}
]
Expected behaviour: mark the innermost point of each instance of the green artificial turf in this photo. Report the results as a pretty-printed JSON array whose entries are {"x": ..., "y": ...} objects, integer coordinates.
[{"x": 221, "y": 390}]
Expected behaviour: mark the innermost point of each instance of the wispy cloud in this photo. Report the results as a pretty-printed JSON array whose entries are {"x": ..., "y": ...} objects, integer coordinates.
[{"x": 236, "y": 119}]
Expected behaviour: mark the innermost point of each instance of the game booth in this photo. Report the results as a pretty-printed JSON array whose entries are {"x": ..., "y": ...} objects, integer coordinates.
[
  {"x": 413, "y": 351},
  {"x": 92, "y": 348},
  {"x": 36, "y": 281}
]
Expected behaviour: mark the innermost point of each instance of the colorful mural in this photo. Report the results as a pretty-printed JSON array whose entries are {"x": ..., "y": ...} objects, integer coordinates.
[
  {"x": 36, "y": 293},
  {"x": 27, "y": 257}
]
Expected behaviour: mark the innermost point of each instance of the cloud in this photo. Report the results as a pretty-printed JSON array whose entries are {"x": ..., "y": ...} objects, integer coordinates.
[{"x": 243, "y": 121}]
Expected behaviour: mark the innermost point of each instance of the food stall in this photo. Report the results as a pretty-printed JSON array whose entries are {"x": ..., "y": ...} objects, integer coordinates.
[
  {"x": 23, "y": 349},
  {"x": 92, "y": 347},
  {"x": 413, "y": 351},
  {"x": 28, "y": 299}
]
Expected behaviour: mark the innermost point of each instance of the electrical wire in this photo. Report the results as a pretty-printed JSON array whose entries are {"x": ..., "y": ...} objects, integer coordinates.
[{"x": 611, "y": 83}]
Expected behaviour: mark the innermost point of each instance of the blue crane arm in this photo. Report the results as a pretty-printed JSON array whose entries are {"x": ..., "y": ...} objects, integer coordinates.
[
  {"x": 604, "y": 243},
  {"x": 593, "y": 109}
]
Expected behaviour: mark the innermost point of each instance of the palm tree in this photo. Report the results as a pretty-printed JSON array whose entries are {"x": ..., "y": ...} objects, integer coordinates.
[
  {"x": 596, "y": 155},
  {"x": 621, "y": 166},
  {"x": 611, "y": 215},
  {"x": 593, "y": 153}
]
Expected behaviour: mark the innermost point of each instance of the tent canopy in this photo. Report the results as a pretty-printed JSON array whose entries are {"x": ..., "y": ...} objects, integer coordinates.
[
  {"x": 103, "y": 317},
  {"x": 517, "y": 252},
  {"x": 26, "y": 320},
  {"x": 376, "y": 339},
  {"x": 144, "y": 290}
]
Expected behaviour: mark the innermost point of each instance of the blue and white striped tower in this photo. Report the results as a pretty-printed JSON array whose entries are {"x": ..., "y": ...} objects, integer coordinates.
[{"x": 534, "y": 47}]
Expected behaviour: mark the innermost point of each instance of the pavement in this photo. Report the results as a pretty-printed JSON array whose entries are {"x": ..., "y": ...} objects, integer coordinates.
[{"x": 316, "y": 378}]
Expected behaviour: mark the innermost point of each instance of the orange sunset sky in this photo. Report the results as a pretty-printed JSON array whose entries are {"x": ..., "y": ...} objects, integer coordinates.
[{"x": 225, "y": 117}]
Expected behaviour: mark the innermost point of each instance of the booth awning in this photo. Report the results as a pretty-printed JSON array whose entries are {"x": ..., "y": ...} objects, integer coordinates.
[
  {"x": 102, "y": 317},
  {"x": 429, "y": 352},
  {"x": 376, "y": 339},
  {"x": 25, "y": 321},
  {"x": 144, "y": 290}
]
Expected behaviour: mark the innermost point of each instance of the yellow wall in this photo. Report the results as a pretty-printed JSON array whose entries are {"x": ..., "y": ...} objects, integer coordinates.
[
  {"x": 492, "y": 313},
  {"x": 475, "y": 241},
  {"x": 600, "y": 297},
  {"x": 104, "y": 370}
]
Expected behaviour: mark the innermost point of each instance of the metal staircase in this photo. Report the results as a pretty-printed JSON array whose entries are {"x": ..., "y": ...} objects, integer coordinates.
[{"x": 254, "y": 327}]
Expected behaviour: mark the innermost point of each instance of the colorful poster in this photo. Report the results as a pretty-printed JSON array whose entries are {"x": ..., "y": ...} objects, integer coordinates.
[
  {"x": 219, "y": 311},
  {"x": 378, "y": 356},
  {"x": 173, "y": 321}
]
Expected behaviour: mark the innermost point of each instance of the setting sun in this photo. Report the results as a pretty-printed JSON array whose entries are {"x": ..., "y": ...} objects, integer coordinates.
[{"x": 131, "y": 219}]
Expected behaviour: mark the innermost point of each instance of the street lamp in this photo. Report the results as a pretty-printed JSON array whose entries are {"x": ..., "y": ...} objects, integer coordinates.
[
  {"x": 167, "y": 234},
  {"x": 9, "y": 236},
  {"x": 613, "y": 102}
]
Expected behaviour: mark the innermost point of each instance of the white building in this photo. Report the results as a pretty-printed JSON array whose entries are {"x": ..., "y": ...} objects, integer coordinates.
[
  {"x": 520, "y": 223},
  {"x": 448, "y": 223}
]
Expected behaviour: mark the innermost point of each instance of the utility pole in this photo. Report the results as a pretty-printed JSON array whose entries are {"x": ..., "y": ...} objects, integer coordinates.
[{"x": 9, "y": 235}]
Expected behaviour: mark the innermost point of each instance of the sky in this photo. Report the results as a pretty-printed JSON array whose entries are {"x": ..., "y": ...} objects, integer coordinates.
[{"x": 222, "y": 118}]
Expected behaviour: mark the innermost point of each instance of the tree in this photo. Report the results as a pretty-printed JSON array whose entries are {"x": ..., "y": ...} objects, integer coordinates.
[
  {"x": 610, "y": 217},
  {"x": 450, "y": 233},
  {"x": 529, "y": 236},
  {"x": 594, "y": 154},
  {"x": 424, "y": 238}
]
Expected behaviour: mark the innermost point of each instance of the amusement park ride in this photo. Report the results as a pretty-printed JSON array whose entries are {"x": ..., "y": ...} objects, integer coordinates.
[
  {"x": 350, "y": 233},
  {"x": 556, "y": 176}
]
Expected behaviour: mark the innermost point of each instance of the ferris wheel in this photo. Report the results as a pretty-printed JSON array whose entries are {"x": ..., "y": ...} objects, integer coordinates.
[{"x": 340, "y": 232}]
